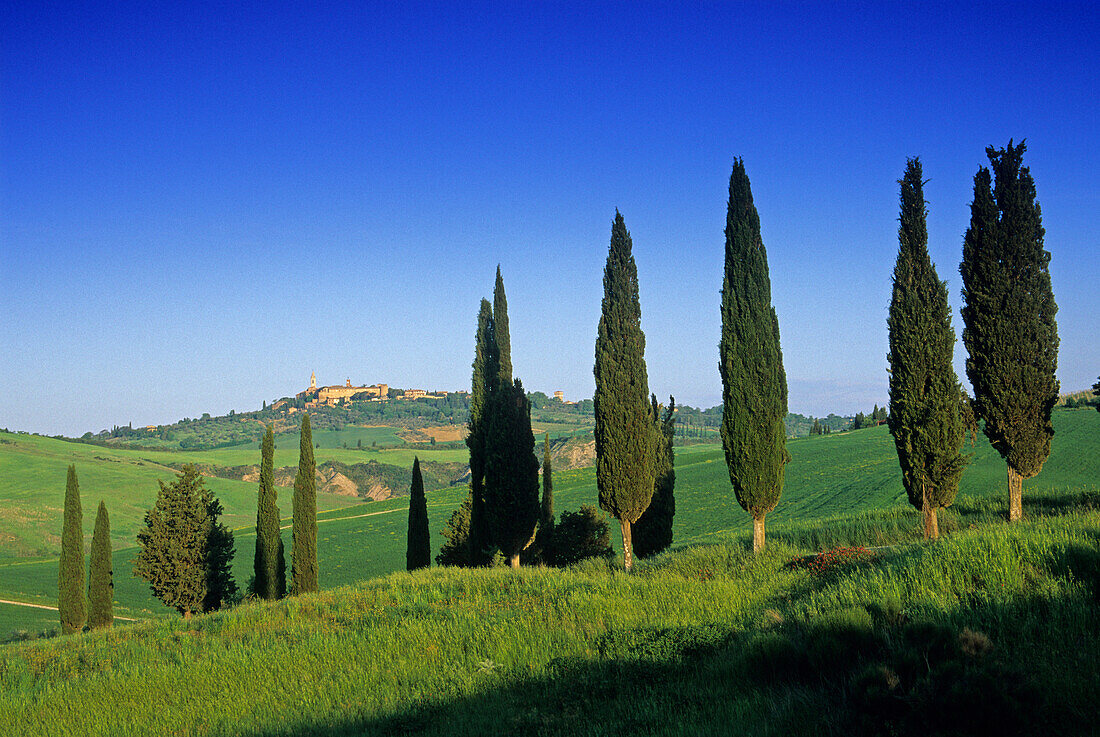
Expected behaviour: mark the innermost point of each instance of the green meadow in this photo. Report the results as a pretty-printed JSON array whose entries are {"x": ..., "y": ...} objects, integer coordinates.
[
  {"x": 840, "y": 489},
  {"x": 990, "y": 630}
]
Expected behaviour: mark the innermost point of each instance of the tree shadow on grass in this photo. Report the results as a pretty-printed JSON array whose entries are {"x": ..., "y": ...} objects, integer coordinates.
[{"x": 1028, "y": 666}]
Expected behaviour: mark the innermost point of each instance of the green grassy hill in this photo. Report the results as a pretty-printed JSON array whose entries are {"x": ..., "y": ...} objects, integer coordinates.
[
  {"x": 851, "y": 475},
  {"x": 989, "y": 631}
]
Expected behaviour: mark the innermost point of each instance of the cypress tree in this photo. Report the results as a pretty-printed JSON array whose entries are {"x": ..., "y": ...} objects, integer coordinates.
[
  {"x": 270, "y": 575},
  {"x": 924, "y": 391},
  {"x": 754, "y": 385},
  {"x": 456, "y": 551},
  {"x": 501, "y": 334},
  {"x": 624, "y": 435},
  {"x": 544, "y": 538},
  {"x": 101, "y": 584},
  {"x": 303, "y": 556},
  {"x": 653, "y": 530},
  {"x": 485, "y": 373},
  {"x": 418, "y": 553},
  {"x": 511, "y": 472},
  {"x": 71, "y": 604},
  {"x": 1010, "y": 333},
  {"x": 184, "y": 553}
]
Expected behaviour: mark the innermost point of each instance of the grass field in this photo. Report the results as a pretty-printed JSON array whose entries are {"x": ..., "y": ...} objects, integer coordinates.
[
  {"x": 989, "y": 631},
  {"x": 830, "y": 476}
]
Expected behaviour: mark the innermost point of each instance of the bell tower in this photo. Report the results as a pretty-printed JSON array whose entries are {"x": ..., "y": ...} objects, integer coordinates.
[{"x": 313, "y": 381}]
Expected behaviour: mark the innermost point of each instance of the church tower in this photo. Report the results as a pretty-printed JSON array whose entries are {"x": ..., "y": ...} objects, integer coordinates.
[{"x": 313, "y": 381}]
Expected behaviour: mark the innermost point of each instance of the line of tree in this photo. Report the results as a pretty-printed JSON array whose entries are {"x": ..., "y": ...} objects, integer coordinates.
[{"x": 77, "y": 606}]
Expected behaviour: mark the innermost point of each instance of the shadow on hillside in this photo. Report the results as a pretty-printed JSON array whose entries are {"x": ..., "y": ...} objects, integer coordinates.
[{"x": 1029, "y": 666}]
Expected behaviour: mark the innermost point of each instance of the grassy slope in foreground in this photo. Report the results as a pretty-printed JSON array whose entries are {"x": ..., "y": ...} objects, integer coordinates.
[{"x": 990, "y": 630}]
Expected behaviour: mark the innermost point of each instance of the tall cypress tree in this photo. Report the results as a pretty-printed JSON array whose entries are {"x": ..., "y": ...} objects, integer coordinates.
[
  {"x": 924, "y": 391},
  {"x": 418, "y": 553},
  {"x": 754, "y": 385},
  {"x": 653, "y": 530},
  {"x": 484, "y": 380},
  {"x": 501, "y": 334},
  {"x": 101, "y": 583},
  {"x": 511, "y": 472},
  {"x": 544, "y": 538},
  {"x": 71, "y": 604},
  {"x": 1009, "y": 329},
  {"x": 270, "y": 574},
  {"x": 624, "y": 435},
  {"x": 303, "y": 557}
]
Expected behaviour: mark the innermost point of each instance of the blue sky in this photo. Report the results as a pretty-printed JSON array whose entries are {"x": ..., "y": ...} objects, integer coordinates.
[{"x": 200, "y": 206}]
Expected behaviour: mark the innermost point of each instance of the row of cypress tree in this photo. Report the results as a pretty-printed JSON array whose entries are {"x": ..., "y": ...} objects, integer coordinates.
[{"x": 96, "y": 608}]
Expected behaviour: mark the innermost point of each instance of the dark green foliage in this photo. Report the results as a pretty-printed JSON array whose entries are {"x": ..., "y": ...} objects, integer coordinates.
[
  {"x": 184, "y": 552},
  {"x": 580, "y": 535},
  {"x": 754, "y": 385},
  {"x": 511, "y": 472},
  {"x": 303, "y": 557},
  {"x": 101, "y": 583},
  {"x": 542, "y": 549},
  {"x": 484, "y": 380},
  {"x": 624, "y": 431},
  {"x": 818, "y": 428},
  {"x": 418, "y": 554},
  {"x": 924, "y": 391},
  {"x": 1010, "y": 333},
  {"x": 71, "y": 603},
  {"x": 501, "y": 335},
  {"x": 653, "y": 530},
  {"x": 270, "y": 575},
  {"x": 456, "y": 551},
  {"x": 1096, "y": 393}
]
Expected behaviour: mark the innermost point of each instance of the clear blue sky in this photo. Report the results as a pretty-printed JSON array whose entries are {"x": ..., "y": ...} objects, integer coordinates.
[{"x": 200, "y": 206}]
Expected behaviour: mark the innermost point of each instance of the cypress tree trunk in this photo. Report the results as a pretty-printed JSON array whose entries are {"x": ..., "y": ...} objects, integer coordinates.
[
  {"x": 101, "y": 586},
  {"x": 71, "y": 603},
  {"x": 628, "y": 545},
  {"x": 1015, "y": 495},
  {"x": 930, "y": 518},
  {"x": 754, "y": 385},
  {"x": 303, "y": 558},
  {"x": 625, "y": 441}
]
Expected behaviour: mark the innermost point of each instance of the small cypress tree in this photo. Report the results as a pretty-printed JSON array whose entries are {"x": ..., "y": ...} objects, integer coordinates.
[
  {"x": 269, "y": 578},
  {"x": 485, "y": 374},
  {"x": 184, "y": 552},
  {"x": 754, "y": 385},
  {"x": 71, "y": 604},
  {"x": 418, "y": 553},
  {"x": 924, "y": 391},
  {"x": 653, "y": 530},
  {"x": 544, "y": 538},
  {"x": 1096, "y": 393},
  {"x": 303, "y": 556},
  {"x": 624, "y": 433},
  {"x": 456, "y": 551},
  {"x": 101, "y": 584},
  {"x": 1009, "y": 331},
  {"x": 511, "y": 472}
]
